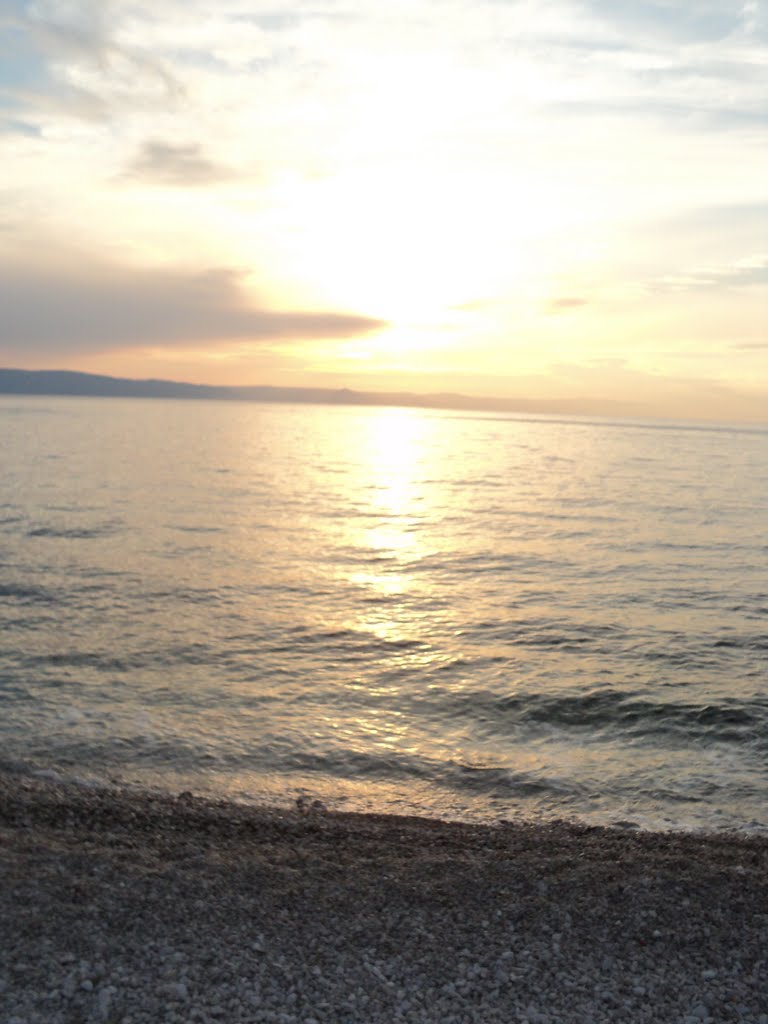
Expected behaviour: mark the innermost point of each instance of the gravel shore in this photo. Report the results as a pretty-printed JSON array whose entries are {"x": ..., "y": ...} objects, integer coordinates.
[{"x": 124, "y": 908}]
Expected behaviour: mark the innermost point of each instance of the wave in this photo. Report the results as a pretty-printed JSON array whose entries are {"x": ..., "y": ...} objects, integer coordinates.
[
  {"x": 490, "y": 780},
  {"x": 26, "y": 594},
  {"x": 342, "y": 642},
  {"x": 616, "y": 713},
  {"x": 74, "y": 532},
  {"x": 752, "y": 643},
  {"x": 102, "y": 662}
]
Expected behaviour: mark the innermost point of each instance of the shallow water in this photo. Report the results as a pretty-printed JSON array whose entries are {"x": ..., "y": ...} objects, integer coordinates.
[{"x": 445, "y": 613}]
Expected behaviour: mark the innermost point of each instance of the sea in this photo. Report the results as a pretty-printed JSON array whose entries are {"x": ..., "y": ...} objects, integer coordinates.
[{"x": 462, "y": 615}]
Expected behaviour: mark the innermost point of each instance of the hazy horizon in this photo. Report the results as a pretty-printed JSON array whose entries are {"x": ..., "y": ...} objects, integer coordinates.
[
  {"x": 557, "y": 202},
  {"x": 72, "y": 383}
]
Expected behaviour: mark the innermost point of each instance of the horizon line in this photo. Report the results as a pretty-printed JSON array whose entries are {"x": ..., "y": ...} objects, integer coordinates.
[{"x": 93, "y": 385}]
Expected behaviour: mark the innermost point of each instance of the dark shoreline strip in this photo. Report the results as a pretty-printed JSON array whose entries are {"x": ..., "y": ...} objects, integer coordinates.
[{"x": 28, "y": 802}]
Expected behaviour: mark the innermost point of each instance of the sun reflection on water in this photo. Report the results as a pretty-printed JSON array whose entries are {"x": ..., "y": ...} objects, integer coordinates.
[
  {"x": 391, "y": 453},
  {"x": 393, "y": 450}
]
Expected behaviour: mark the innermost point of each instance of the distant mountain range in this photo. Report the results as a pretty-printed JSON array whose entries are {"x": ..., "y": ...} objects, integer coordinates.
[{"x": 66, "y": 382}]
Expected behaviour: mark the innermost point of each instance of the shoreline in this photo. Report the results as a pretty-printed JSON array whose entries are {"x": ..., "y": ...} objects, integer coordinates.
[{"x": 128, "y": 907}]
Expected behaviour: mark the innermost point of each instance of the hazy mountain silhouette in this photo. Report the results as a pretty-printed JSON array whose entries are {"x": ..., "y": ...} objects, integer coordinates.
[{"x": 67, "y": 382}]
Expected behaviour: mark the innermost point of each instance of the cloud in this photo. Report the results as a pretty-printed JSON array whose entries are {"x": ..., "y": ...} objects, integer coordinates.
[
  {"x": 41, "y": 107},
  {"x": 13, "y": 126},
  {"x": 166, "y": 163},
  {"x": 89, "y": 307},
  {"x": 80, "y": 70},
  {"x": 750, "y": 270},
  {"x": 524, "y": 152},
  {"x": 565, "y": 302},
  {"x": 704, "y": 21}
]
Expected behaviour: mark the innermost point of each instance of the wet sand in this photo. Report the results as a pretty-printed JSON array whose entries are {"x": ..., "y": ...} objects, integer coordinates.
[{"x": 128, "y": 907}]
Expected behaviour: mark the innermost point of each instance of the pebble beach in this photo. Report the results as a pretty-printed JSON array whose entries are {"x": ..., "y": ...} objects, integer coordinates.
[{"x": 127, "y": 907}]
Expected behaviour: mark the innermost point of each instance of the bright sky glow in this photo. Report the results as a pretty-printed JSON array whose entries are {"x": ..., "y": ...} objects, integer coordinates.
[{"x": 553, "y": 200}]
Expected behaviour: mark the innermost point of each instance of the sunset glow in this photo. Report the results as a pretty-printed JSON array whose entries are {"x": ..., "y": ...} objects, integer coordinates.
[{"x": 555, "y": 203}]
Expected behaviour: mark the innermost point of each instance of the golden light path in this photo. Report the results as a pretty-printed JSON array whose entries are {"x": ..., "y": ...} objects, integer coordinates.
[
  {"x": 391, "y": 453},
  {"x": 398, "y": 464},
  {"x": 392, "y": 474}
]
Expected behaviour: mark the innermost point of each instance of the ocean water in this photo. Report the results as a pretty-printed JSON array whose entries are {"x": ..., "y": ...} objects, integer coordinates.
[{"x": 472, "y": 616}]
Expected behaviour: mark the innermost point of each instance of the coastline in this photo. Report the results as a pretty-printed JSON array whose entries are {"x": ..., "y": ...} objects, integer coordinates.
[{"x": 126, "y": 907}]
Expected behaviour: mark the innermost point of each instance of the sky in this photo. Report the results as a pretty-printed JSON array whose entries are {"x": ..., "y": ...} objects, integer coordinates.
[{"x": 519, "y": 198}]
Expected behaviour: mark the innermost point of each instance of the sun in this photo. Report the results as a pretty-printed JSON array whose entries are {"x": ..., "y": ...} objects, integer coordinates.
[{"x": 401, "y": 243}]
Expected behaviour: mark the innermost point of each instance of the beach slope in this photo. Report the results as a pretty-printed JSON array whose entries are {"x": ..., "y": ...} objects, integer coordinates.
[{"x": 125, "y": 907}]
